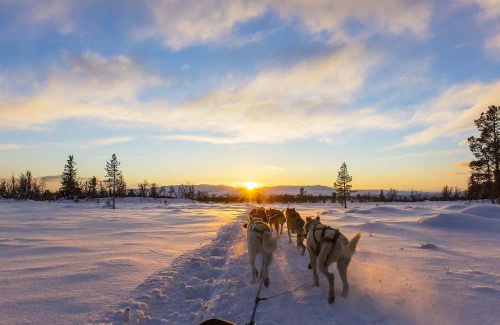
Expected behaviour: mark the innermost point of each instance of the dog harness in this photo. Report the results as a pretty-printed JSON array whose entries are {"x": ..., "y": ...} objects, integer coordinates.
[
  {"x": 325, "y": 239},
  {"x": 260, "y": 231}
]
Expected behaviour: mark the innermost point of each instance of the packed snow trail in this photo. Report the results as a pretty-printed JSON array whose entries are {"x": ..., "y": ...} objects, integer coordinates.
[
  {"x": 392, "y": 281},
  {"x": 214, "y": 282}
]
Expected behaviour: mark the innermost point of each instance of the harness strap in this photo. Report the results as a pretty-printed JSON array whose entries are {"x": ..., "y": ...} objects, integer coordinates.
[{"x": 334, "y": 242}]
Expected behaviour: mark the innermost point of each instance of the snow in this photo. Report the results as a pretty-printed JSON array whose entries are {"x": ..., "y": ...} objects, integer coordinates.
[{"x": 66, "y": 263}]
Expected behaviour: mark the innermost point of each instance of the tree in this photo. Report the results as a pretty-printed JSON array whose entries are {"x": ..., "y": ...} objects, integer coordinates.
[
  {"x": 3, "y": 188},
  {"x": 121, "y": 188},
  {"x": 334, "y": 197},
  {"x": 113, "y": 176},
  {"x": 381, "y": 196},
  {"x": 92, "y": 188},
  {"x": 171, "y": 191},
  {"x": 446, "y": 193},
  {"x": 486, "y": 150},
  {"x": 143, "y": 189},
  {"x": 69, "y": 182},
  {"x": 25, "y": 190},
  {"x": 153, "y": 191},
  {"x": 342, "y": 185},
  {"x": 392, "y": 195}
]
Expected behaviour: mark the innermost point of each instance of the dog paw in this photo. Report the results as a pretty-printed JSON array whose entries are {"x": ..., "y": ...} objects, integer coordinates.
[
  {"x": 316, "y": 284},
  {"x": 331, "y": 300},
  {"x": 344, "y": 294},
  {"x": 266, "y": 282},
  {"x": 309, "y": 266}
]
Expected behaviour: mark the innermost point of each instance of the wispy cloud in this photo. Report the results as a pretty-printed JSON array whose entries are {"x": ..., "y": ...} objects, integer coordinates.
[
  {"x": 462, "y": 165},
  {"x": 182, "y": 23},
  {"x": 421, "y": 154},
  {"x": 7, "y": 146},
  {"x": 105, "y": 142},
  {"x": 305, "y": 100},
  {"x": 488, "y": 9},
  {"x": 453, "y": 112}
]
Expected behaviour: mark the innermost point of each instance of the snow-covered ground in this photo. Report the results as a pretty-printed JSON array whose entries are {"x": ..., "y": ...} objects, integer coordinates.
[
  {"x": 431, "y": 263},
  {"x": 61, "y": 261}
]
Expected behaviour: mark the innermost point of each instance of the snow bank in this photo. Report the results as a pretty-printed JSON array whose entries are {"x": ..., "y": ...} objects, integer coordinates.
[
  {"x": 486, "y": 211},
  {"x": 461, "y": 221}
]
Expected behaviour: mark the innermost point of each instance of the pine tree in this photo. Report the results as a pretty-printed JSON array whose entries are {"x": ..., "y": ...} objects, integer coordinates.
[
  {"x": 92, "y": 188},
  {"x": 342, "y": 185},
  {"x": 486, "y": 150},
  {"x": 69, "y": 181},
  {"x": 381, "y": 196},
  {"x": 113, "y": 176}
]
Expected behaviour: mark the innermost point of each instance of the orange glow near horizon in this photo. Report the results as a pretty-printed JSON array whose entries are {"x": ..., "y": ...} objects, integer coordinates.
[{"x": 250, "y": 185}]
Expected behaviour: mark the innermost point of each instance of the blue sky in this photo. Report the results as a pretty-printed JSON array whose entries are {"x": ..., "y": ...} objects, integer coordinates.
[{"x": 222, "y": 92}]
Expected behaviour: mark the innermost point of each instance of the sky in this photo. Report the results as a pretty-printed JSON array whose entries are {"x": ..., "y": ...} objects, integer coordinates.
[{"x": 224, "y": 92}]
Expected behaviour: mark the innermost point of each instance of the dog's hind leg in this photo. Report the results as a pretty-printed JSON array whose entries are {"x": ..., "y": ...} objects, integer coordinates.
[
  {"x": 266, "y": 261},
  {"x": 300, "y": 243},
  {"x": 342, "y": 268},
  {"x": 323, "y": 268},
  {"x": 313, "y": 266},
  {"x": 252, "y": 266}
]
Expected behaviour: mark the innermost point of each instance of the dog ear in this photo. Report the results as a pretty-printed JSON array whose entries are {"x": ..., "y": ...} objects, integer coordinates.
[
  {"x": 317, "y": 218},
  {"x": 245, "y": 225}
]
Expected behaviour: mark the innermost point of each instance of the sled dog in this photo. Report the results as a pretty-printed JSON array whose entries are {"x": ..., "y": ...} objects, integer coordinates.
[
  {"x": 276, "y": 219},
  {"x": 260, "y": 241},
  {"x": 325, "y": 246},
  {"x": 260, "y": 213},
  {"x": 295, "y": 224}
]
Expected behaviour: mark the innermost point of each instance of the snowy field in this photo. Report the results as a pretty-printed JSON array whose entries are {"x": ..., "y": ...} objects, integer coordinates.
[{"x": 66, "y": 263}]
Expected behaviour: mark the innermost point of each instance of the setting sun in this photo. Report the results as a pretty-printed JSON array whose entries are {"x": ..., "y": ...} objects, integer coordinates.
[{"x": 250, "y": 185}]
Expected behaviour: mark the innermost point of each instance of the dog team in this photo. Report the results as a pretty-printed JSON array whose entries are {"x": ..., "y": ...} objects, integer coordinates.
[{"x": 325, "y": 245}]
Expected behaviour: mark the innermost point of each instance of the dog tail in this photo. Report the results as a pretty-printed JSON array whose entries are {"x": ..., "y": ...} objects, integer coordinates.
[
  {"x": 350, "y": 249},
  {"x": 245, "y": 225},
  {"x": 269, "y": 242}
]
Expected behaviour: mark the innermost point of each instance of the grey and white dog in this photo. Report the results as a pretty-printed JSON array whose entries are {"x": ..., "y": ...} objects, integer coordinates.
[
  {"x": 325, "y": 246},
  {"x": 260, "y": 241}
]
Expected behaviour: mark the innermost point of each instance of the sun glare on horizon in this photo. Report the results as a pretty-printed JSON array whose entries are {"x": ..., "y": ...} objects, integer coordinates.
[{"x": 250, "y": 185}]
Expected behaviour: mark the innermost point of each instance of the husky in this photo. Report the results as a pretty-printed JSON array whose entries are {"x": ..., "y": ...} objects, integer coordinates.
[
  {"x": 260, "y": 241},
  {"x": 295, "y": 224},
  {"x": 325, "y": 246},
  {"x": 259, "y": 213},
  {"x": 277, "y": 219}
]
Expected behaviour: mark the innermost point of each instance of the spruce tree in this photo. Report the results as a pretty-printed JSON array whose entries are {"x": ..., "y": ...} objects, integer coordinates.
[
  {"x": 486, "y": 150},
  {"x": 113, "y": 176},
  {"x": 69, "y": 181},
  {"x": 342, "y": 185}
]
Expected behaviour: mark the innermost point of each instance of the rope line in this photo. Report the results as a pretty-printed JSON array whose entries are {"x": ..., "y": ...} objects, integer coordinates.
[{"x": 258, "y": 299}]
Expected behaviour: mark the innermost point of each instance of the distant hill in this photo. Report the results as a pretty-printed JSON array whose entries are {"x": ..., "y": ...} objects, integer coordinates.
[{"x": 219, "y": 190}]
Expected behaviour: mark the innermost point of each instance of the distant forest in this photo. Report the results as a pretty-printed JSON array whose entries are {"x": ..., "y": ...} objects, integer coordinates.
[{"x": 483, "y": 183}]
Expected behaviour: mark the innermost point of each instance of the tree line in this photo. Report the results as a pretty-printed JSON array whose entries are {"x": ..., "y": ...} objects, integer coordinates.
[{"x": 483, "y": 183}]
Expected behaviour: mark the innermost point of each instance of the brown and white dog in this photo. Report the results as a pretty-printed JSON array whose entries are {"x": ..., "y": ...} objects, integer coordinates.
[
  {"x": 260, "y": 241},
  {"x": 325, "y": 246},
  {"x": 295, "y": 224},
  {"x": 277, "y": 219},
  {"x": 259, "y": 213}
]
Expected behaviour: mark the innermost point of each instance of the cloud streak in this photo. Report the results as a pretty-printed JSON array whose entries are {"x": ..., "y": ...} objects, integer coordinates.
[
  {"x": 309, "y": 99},
  {"x": 7, "y": 146},
  {"x": 183, "y": 23},
  {"x": 453, "y": 112}
]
